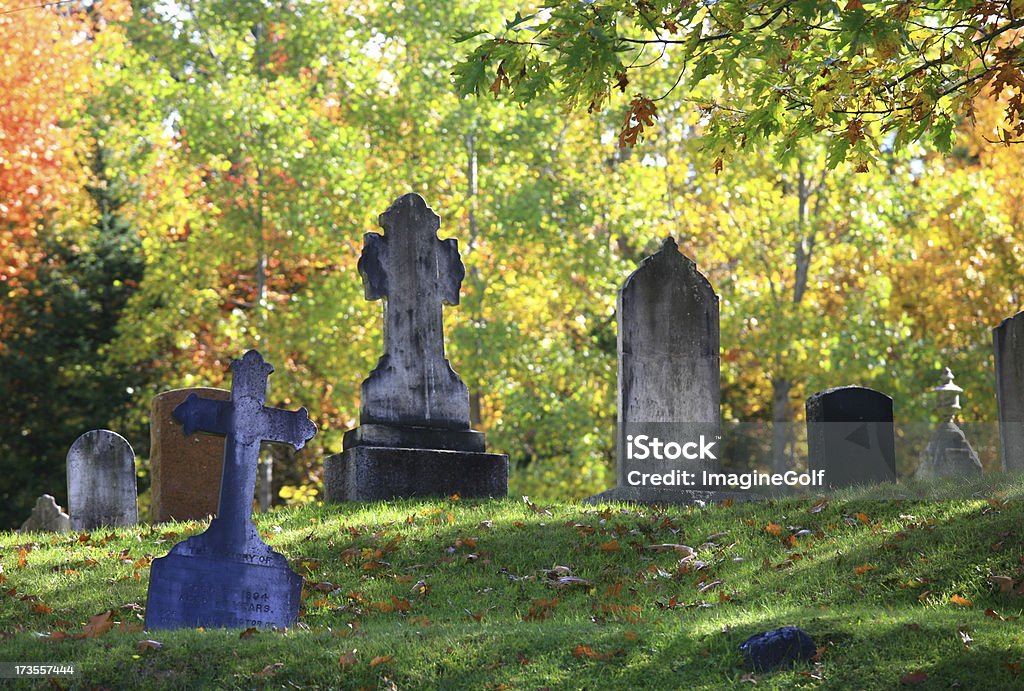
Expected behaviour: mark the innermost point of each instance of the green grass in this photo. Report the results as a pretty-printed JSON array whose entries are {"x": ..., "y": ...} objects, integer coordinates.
[{"x": 876, "y": 583}]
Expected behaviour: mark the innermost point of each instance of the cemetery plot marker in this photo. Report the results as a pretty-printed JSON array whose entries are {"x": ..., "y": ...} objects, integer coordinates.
[
  {"x": 101, "y": 481},
  {"x": 1008, "y": 344},
  {"x": 669, "y": 381},
  {"x": 414, "y": 437},
  {"x": 850, "y": 436},
  {"x": 227, "y": 576},
  {"x": 948, "y": 454},
  {"x": 185, "y": 470},
  {"x": 47, "y": 516}
]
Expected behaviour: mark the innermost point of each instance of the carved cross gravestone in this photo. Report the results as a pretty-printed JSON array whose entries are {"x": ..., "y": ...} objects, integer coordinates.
[
  {"x": 101, "y": 481},
  {"x": 1008, "y": 344},
  {"x": 227, "y": 576},
  {"x": 850, "y": 435},
  {"x": 669, "y": 382},
  {"x": 414, "y": 436}
]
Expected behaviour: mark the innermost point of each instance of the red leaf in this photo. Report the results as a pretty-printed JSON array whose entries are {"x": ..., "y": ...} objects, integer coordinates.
[{"x": 914, "y": 678}]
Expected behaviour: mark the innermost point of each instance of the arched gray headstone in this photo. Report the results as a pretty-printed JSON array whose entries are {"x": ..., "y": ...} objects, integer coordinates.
[
  {"x": 101, "y": 481},
  {"x": 850, "y": 436},
  {"x": 669, "y": 377},
  {"x": 1008, "y": 347}
]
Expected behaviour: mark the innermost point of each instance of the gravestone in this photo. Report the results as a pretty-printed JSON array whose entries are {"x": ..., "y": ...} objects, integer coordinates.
[
  {"x": 668, "y": 382},
  {"x": 414, "y": 437},
  {"x": 47, "y": 516},
  {"x": 948, "y": 453},
  {"x": 1008, "y": 344},
  {"x": 184, "y": 470},
  {"x": 227, "y": 576},
  {"x": 850, "y": 436},
  {"x": 101, "y": 481}
]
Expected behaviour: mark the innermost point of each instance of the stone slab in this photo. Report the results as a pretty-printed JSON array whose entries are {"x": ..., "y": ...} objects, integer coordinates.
[
  {"x": 405, "y": 437},
  {"x": 47, "y": 516},
  {"x": 204, "y": 582},
  {"x": 185, "y": 470},
  {"x": 367, "y": 473},
  {"x": 1008, "y": 348},
  {"x": 850, "y": 435},
  {"x": 102, "y": 489}
]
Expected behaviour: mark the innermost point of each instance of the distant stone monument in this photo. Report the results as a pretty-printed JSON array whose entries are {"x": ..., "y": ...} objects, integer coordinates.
[
  {"x": 414, "y": 437},
  {"x": 101, "y": 481},
  {"x": 1008, "y": 344},
  {"x": 227, "y": 576},
  {"x": 47, "y": 517},
  {"x": 850, "y": 436},
  {"x": 184, "y": 470},
  {"x": 669, "y": 382},
  {"x": 948, "y": 454}
]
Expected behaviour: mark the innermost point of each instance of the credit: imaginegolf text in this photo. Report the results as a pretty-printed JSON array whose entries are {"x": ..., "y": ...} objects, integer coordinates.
[{"x": 743, "y": 481}]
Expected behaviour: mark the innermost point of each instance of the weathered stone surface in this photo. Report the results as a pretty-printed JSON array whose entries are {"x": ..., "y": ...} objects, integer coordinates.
[
  {"x": 47, "y": 516},
  {"x": 227, "y": 576},
  {"x": 185, "y": 471},
  {"x": 366, "y": 473},
  {"x": 414, "y": 273},
  {"x": 101, "y": 481},
  {"x": 850, "y": 435},
  {"x": 669, "y": 373},
  {"x": 948, "y": 454},
  {"x": 414, "y": 438},
  {"x": 1008, "y": 345}
]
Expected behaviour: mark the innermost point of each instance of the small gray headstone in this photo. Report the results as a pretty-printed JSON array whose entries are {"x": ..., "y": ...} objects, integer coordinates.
[
  {"x": 850, "y": 435},
  {"x": 227, "y": 576},
  {"x": 669, "y": 380},
  {"x": 101, "y": 481},
  {"x": 948, "y": 454},
  {"x": 1008, "y": 344},
  {"x": 414, "y": 437},
  {"x": 47, "y": 516}
]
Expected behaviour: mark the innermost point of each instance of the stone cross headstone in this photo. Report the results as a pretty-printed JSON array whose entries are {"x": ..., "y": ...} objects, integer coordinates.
[
  {"x": 850, "y": 436},
  {"x": 101, "y": 481},
  {"x": 184, "y": 470},
  {"x": 669, "y": 384},
  {"x": 1008, "y": 344},
  {"x": 414, "y": 436},
  {"x": 227, "y": 576},
  {"x": 948, "y": 453},
  {"x": 47, "y": 516}
]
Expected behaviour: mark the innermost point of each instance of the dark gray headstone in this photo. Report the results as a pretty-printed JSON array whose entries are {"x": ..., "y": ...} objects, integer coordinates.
[
  {"x": 1008, "y": 344},
  {"x": 227, "y": 576},
  {"x": 101, "y": 481},
  {"x": 850, "y": 436},
  {"x": 47, "y": 516},
  {"x": 414, "y": 436},
  {"x": 669, "y": 379}
]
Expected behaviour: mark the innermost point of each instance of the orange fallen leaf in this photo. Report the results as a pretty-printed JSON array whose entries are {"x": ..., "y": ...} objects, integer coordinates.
[
  {"x": 22, "y": 558},
  {"x": 40, "y": 608},
  {"x": 863, "y": 569},
  {"x": 612, "y": 546},
  {"x": 773, "y": 529},
  {"x": 99, "y": 624},
  {"x": 914, "y": 678},
  {"x": 863, "y": 518},
  {"x": 962, "y": 601},
  {"x": 348, "y": 659},
  {"x": 380, "y": 660}
]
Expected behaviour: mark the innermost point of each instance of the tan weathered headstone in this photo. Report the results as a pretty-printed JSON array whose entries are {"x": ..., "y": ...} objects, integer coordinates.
[{"x": 185, "y": 470}]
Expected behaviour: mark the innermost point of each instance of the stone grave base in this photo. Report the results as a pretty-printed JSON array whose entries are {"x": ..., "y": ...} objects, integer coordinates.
[
  {"x": 371, "y": 473},
  {"x": 412, "y": 437},
  {"x": 662, "y": 495},
  {"x": 216, "y": 591}
]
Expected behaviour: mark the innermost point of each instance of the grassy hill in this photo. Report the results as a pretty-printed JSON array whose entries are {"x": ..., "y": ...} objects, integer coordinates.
[{"x": 516, "y": 595}]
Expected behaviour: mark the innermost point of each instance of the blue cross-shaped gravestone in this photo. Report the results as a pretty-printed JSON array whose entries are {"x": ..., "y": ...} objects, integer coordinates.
[{"x": 227, "y": 576}]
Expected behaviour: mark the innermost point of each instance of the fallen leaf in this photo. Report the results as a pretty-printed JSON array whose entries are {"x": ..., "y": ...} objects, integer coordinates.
[
  {"x": 773, "y": 529},
  {"x": 992, "y": 614},
  {"x": 914, "y": 678},
  {"x": 863, "y": 518},
  {"x": 819, "y": 506},
  {"x": 99, "y": 625},
  {"x": 148, "y": 644},
  {"x": 381, "y": 660},
  {"x": 249, "y": 632},
  {"x": 612, "y": 546},
  {"x": 962, "y": 601},
  {"x": 420, "y": 588},
  {"x": 567, "y": 582},
  {"x": 683, "y": 549},
  {"x": 270, "y": 670},
  {"x": 1005, "y": 583},
  {"x": 863, "y": 569},
  {"x": 40, "y": 608},
  {"x": 348, "y": 659}
]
